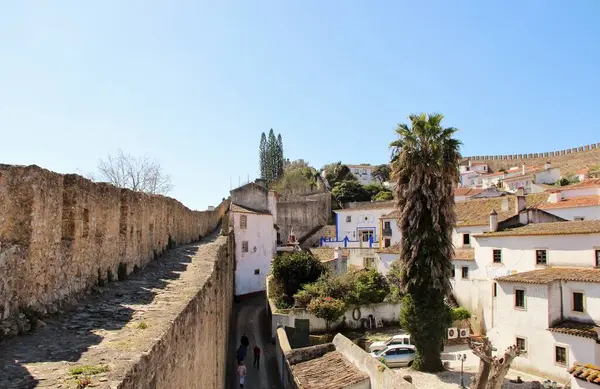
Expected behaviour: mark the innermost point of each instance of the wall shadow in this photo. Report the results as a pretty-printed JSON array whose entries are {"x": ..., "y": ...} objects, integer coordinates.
[{"x": 65, "y": 337}]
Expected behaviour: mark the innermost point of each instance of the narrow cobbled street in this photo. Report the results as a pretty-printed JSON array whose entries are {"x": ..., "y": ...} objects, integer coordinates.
[{"x": 250, "y": 317}]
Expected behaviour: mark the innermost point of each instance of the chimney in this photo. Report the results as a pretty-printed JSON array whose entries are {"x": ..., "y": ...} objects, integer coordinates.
[
  {"x": 493, "y": 221},
  {"x": 547, "y": 165},
  {"x": 555, "y": 197},
  {"x": 523, "y": 169},
  {"x": 504, "y": 205},
  {"x": 520, "y": 202}
]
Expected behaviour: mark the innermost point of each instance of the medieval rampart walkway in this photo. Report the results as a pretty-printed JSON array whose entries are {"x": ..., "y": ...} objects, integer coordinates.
[{"x": 113, "y": 326}]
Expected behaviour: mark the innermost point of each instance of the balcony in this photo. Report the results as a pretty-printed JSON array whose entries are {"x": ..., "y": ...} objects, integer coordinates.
[{"x": 387, "y": 232}]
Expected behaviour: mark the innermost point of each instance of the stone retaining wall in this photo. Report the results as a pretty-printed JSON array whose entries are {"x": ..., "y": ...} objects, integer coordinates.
[{"x": 62, "y": 234}]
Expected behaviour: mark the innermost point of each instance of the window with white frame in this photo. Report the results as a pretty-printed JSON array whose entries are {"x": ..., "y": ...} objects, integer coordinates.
[
  {"x": 243, "y": 222},
  {"x": 466, "y": 239},
  {"x": 560, "y": 355},
  {"x": 387, "y": 242},
  {"x": 497, "y": 253},
  {"x": 244, "y": 246},
  {"x": 465, "y": 272},
  {"x": 495, "y": 289},
  {"x": 541, "y": 257},
  {"x": 521, "y": 344},
  {"x": 368, "y": 262},
  {"x": 578, "y": 302},
  {"x": 348, "y": 219},
  {"x": 520, "y": 298}
]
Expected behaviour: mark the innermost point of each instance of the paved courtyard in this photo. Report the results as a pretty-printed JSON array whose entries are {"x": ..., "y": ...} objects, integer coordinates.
[{"x": 451, "y": 378}]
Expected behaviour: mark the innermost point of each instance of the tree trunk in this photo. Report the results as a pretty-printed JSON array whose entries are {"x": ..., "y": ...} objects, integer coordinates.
[
  {"x": 492, "y": 370},
  {"x": 480, "y": 380}
]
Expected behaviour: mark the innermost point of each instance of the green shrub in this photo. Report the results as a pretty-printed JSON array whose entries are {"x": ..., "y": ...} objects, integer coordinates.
[
  {"x": 302, "y": 298},
  {"x": 460, "y": 313},
  {"x": 395, "y": 295},
  {"x": 369, "y": 287},
  {"x": 383, "y": 196},
  {"x": 292, "y": 270},
  {"x": 328, "y": 309}
]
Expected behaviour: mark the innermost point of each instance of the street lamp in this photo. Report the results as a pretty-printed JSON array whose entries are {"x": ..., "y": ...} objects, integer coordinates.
[{"x": 462, "y": 358}]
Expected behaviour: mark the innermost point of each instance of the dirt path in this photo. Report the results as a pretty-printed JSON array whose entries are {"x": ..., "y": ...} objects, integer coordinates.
[{"x": 250, "y": 318}]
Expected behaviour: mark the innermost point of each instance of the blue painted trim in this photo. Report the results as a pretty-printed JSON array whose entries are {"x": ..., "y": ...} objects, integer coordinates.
[
  {"x": 366, "y": 228},
  {"x": 337, "y": 228}
]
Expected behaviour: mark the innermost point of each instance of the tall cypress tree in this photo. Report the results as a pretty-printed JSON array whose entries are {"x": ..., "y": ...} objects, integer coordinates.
[
  {"x": 279, "y": 168},
  {"x": 271, "y": 157},
  {"x": 262, "y": 155}
]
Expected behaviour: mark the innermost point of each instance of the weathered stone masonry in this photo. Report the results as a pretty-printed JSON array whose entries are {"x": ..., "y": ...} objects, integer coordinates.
[{"x": 62, "y": 234}]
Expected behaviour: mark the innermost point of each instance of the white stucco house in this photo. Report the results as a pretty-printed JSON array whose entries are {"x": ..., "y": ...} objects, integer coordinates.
[
  {"x": 253, "y": 215},
  {"x": 363, "y": 173},
  {"x": 359, "y": 224},
  {"x": 530, "y": 175}
]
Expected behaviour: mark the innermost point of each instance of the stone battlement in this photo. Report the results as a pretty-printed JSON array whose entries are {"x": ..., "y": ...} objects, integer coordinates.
[
  {"x": 568, "y": 160},
  {"x": 61, "y": 235}
]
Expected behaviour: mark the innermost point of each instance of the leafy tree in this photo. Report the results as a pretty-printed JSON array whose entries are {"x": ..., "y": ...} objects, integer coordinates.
[
  {"x": 381, "y": 173},
  {"x": 425, "y": 164},
  {"x": 383, "y": 196},
  {"x": 564, "y": 181},
  {"x": 298, "y": 176},
  {"x": 328, "y": 309},
  {"x": 373, "y": 189},
  {"x": 460, "y": 313},
  {"x": 262, "y": 153},
  {"x": 337, "y": 172},
  {"x": 349, "y": 191},
  {"x": 370, "y": 287},
  {"x": 292, "y": 270}
]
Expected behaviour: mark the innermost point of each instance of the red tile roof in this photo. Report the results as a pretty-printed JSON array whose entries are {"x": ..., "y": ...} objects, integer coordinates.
[
  {"x": 555, "y": 228},
  {"x": 591, "y": 183},
  {"x": 330, "y": 371},
  {"x": 570, "y": 327},
  {"x": 550, "y": 274},
  {"x": 586, "y": 372},
  {"x": 574, "y": 202},
  {"x": 467, "y": 191}
]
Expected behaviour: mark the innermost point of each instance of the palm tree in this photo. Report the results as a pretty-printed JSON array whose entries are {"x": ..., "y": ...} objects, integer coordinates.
[{"x": 425, "y": 162}]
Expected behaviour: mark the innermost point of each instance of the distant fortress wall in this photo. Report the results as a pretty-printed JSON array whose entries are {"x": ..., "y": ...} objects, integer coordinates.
[{"x": 535, "y": 155}]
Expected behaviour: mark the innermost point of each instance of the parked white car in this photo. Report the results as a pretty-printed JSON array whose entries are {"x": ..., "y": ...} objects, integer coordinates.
[
  {"x": 394, "y": 340},
  {"x": 397, "y": 355}
]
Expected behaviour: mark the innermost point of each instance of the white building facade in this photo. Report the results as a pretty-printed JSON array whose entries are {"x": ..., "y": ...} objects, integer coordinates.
[
  {"x": 363, "y": 173},
  {"x": 253, "y": 215}
]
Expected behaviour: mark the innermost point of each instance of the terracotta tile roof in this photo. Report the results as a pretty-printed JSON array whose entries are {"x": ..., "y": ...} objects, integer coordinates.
[
  {"x": 586, "y": 372},
  {"x": 322, "y": 253},
  {"x": 550, "y": 274},
  {"x": 392, "y": 215},
  {"x": 467, "y": 191},
  {"x": 591, "y": 183},
  {"x": 476, "y": 212},
  {"x": 494, "y": 174},
  {"x": 368, "y": 205},
  {"x": 239, "y": 208},
  {"x": 460, "y": 254},
  {"x": 574, "y": 202},
  {"x": 570, "y": 327},
  {"x": 393, "y": 249},
  {"x": 331, "y": 371},
  {"x": 555, "y": 228}
]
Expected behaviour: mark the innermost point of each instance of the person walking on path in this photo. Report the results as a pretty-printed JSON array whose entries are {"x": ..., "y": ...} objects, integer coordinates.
[
  {"x": 244, "y": 341},
  {"x": 256, "y": 356},
  {"x": 240, "y": 354},
  {"x": 241, "y": 372}
]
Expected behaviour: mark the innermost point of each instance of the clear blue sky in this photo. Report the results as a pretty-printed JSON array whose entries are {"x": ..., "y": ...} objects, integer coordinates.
[{"x": 193, "y": 83}]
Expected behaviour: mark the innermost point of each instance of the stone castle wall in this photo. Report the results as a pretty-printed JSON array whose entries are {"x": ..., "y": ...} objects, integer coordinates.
[
  {"x": 192, "y": 353},
  {"x": 567, "y": 159},
  {"x": 62, "y": 234},
  {"x": 303, "y": 214}
]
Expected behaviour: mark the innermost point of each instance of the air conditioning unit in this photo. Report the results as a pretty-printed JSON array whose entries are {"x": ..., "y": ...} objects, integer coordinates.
[
  {"x": 463, "y": 333},
  {"x": 452, "y": 333}
]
